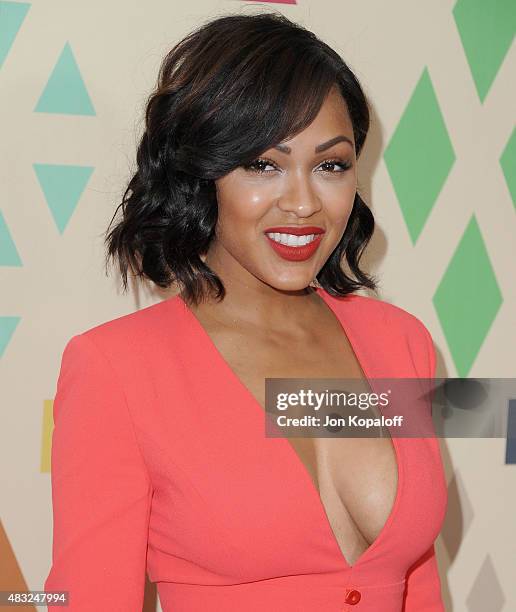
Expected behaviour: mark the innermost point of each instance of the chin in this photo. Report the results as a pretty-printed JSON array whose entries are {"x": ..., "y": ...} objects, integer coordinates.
[{"x": 290, "y": 284}]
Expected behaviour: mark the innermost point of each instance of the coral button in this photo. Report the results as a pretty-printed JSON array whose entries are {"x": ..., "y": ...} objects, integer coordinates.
[{"x": 353, "y": 597}]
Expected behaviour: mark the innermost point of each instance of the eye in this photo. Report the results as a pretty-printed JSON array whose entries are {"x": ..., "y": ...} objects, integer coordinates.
[
  {"x": 258, "y": 166},
  {"x": 336, "y": 162}
]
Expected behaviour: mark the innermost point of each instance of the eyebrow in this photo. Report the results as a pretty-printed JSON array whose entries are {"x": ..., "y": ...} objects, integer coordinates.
[{"x": 321, "y": 147}]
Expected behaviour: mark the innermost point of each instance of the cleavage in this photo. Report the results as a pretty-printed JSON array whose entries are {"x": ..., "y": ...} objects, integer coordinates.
[{"x": 355, "y": 479}]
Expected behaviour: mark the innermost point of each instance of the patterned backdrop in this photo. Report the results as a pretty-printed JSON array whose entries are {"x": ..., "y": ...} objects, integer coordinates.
[{"x": 438, "y": 170}]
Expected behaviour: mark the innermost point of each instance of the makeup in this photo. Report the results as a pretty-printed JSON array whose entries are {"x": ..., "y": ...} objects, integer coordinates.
[{"x": 294, "y": 243}]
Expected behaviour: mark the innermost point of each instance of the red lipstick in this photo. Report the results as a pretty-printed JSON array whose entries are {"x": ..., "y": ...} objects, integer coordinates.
[
  {"x": 292, "y": 252},
  {"x": 297, "y": 230}
]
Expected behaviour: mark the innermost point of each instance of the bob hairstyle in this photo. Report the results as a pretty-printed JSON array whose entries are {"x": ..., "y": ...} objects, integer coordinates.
[{"x": 231, "y": 89}]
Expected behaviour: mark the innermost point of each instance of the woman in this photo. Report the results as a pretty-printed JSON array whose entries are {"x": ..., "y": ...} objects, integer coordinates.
[{"x": 245, "y": 197}]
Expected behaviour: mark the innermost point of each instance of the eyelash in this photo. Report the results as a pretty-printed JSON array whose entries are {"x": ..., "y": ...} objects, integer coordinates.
[{"x": 345, "y": 165}]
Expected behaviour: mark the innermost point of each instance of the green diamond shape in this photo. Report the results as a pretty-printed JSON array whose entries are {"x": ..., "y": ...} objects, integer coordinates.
[
  {"x": 508, "y": 163},
  {"x": 486, "y": 30},
  {"x": 419, "y": 156},
  {"x": 467, "y": 299}
]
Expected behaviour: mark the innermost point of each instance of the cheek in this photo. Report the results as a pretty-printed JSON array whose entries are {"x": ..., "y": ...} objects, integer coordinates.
[
  {"x": 339, "y": 210},
  {"x": 242, "y": 204},
  {"x": 338, "y": 201}
]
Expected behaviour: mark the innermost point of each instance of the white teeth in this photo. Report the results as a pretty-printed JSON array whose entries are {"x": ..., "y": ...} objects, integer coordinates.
[{"x": 291, "y": 239}]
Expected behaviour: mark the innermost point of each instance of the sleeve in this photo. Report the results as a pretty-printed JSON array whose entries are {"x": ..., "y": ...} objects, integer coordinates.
[
  {"x": 423, "y": 586},
  {"x": 432, "y": 360},
  {"x": 101, "y": 490}
]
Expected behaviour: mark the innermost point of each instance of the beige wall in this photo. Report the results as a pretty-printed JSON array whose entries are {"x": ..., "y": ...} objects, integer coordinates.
[{"x": 57, "y": 287}]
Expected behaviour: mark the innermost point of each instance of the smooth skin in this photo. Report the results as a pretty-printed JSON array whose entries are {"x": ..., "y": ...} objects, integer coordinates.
[
  {"x": 270, "y": 315},
  {"x": 300, "y": 188}
]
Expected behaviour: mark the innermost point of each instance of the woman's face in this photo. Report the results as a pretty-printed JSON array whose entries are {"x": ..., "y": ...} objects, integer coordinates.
[{"x": 305, "y": 185}]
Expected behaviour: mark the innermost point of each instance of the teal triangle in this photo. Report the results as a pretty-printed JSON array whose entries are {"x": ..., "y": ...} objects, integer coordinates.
[
  {"x": 63, "y": 187},
  {"x": 7, "y": 327},
  {"x": 65, "y": 92},
  {"x": 12, "y": 15},
  {"x": 8, "y": 254}
]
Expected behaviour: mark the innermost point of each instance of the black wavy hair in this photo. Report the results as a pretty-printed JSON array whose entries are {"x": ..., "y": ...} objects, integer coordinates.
[{"x": 231, "y": 89}]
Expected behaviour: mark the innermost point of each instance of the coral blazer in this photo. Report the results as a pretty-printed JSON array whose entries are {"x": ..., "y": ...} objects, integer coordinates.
[{"x": 160, "y": 462}]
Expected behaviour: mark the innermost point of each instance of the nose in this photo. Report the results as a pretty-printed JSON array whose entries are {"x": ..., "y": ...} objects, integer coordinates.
[{"x": 299, "y": 196}]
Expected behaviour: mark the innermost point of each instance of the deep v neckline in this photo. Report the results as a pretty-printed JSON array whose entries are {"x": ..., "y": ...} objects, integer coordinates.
[{"x": 351, "y": 336}]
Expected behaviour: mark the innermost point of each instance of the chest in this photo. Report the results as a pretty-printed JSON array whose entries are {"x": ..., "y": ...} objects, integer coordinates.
[
  {"x": 355, "y": 479},
  {"x": 276, "y": 506},
  {"x": 254, "y": 357}
]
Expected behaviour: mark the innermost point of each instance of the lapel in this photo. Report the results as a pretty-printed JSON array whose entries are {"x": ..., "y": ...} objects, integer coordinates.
[{"x": 379, "y": 341}]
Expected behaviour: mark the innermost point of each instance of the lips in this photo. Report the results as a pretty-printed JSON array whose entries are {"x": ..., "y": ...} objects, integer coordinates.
[
  {"x": 296, "y": 230},
  {"x": 294, "y": 249}
]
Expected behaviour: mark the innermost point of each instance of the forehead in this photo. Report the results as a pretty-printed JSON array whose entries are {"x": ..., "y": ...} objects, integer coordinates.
[{"x": 332, "y": 119}]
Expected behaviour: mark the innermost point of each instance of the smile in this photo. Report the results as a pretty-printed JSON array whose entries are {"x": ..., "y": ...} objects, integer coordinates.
[
  {"x": 293, "y": 247},
  {"x": 291, "y": 239}
]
